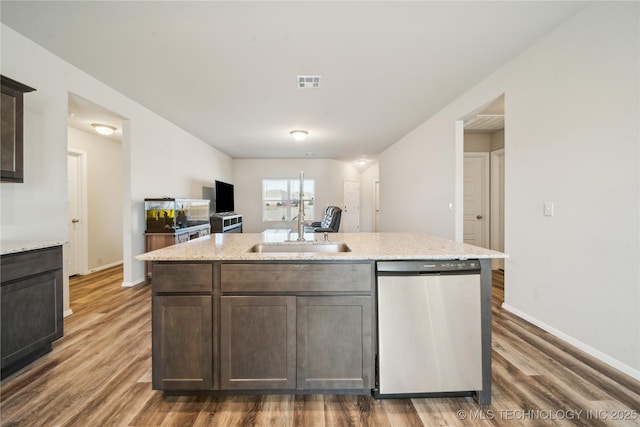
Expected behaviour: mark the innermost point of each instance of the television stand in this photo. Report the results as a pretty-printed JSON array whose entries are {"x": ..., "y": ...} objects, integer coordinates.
[{"x": 229, "y": 222}]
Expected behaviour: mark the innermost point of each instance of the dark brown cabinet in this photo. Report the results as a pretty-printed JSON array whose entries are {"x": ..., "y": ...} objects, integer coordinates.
[
  {"x": 11, "y": 141},
  {"x": 288, "y": 342},
  {"x": 31, "y": 306},
  {"x": 182, "y": 326},
  {"x": 258, "y": 342},
  {"x": 182, "y": 342},
  {"x": 262, "y": 327},
  {"x": 317, "y": 337},
  {"x": 334, "y": 343}
]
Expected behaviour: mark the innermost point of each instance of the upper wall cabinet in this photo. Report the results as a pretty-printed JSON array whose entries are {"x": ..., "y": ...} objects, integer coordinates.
[{"x": 11, "y": 142}]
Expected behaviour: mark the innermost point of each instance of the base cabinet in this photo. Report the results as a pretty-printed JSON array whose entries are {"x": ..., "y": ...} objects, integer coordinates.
[
  {"x": 288, "y": 342},
  {"x": 334, "y": 337},
  {"x": 262, "y": 327},
  {"x": 302, "y": 326},
  {"x": 30, "y": 306},
  {"x": 182, "y": 326},
  {"x": 182, "y": 342},
  {"x": 258, "y": 342}
]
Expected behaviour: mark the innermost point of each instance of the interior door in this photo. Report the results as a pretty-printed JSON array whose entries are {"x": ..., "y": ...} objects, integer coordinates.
[
  {"x": 73, "y": 211},
  {"x": 476, "y": 199},
  {"x": 350, "y": 220}
]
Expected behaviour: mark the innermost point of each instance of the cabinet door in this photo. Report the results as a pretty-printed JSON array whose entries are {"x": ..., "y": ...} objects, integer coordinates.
[
  {"x": 11, "y": 141},
  {"x": 31, "y": 316},
  {"x": 258, "y": 342},
  {"x": 335, "y": 344},
  {"x": 182, "y": 342}
]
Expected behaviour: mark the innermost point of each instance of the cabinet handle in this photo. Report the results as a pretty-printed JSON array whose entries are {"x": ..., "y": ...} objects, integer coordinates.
[{"x": 75, "y": 220}]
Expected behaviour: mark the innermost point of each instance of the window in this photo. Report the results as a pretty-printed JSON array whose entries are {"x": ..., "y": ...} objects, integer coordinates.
[{"x": 280, "y": 198}]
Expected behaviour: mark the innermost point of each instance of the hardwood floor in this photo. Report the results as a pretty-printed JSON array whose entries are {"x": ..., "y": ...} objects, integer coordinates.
[{"x": 99, "y": 374}]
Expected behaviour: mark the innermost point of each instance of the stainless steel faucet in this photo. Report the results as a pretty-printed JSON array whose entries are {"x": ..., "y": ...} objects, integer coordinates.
[{"x": 301, "y": 209}]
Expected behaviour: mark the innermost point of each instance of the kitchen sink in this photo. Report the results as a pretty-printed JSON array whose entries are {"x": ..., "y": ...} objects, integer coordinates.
[{"x": 280, "y": 247}]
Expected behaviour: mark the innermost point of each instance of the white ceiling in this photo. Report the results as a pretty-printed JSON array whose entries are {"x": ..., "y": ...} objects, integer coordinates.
[
  {"x": 227, "y": 71},
  {"x": 488, "y": 119}
]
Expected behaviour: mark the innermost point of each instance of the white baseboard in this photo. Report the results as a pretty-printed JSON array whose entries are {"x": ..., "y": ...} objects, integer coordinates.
[
  {"x": 132, "y": 283},
  {"x": 67, "y": 313},
  {"x": 104, "y": 267},
  {"x": 614, "y": 363}
]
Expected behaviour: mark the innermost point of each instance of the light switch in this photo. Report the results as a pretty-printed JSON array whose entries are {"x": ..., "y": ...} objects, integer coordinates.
[{"x": 548, "y": 208}]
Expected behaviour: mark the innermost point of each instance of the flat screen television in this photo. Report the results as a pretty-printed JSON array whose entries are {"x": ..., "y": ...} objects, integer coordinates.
[{"x": 224, "y": 197}]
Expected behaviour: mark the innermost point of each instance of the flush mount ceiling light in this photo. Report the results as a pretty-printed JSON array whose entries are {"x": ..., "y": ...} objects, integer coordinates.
[
  {"x": 105, "y": 130},
  {"x": 299, "y": 135},
  {"x": 363, "y": 162}
]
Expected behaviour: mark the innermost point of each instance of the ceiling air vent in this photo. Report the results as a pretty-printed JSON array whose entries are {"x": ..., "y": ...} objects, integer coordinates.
[{"x": 308, "y": 82}]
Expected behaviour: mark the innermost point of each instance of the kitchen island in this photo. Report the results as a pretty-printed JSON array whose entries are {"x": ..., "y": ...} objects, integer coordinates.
[{"x": 251, "y": 313}]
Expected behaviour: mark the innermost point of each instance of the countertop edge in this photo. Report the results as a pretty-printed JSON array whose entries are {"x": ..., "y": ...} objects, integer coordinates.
[
  {"x": 364, "y": 247},
  {"x": 12, "y": 247}
]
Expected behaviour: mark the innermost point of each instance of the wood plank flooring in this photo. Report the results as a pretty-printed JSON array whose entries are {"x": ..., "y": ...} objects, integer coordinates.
[{"x": 99, "y": 374}]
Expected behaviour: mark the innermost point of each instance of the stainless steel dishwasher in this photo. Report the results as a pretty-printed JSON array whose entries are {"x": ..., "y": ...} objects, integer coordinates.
[{"x": 429, "y": 328}]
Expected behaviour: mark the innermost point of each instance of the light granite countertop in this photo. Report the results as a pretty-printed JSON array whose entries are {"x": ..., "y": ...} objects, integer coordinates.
[
  {"x": 15, "y": 246},
  {"x": 364, "y": 246}
]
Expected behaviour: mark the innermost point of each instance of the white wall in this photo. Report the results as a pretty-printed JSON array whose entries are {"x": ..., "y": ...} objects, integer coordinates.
[
  {"x": 477, "y": 142},
  {"x": 248, "y": 174},
  {"x": 158, "y": 157},
  {"x": 571, "y": 137},
  {"x": 104, "y": 197}
]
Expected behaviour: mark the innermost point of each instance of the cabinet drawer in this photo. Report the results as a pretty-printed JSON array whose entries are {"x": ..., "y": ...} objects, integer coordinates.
[
  {"x": 30, "y": 263},
  {"x": 296, "y": 277},
  {"x": 182, "y": 277}
]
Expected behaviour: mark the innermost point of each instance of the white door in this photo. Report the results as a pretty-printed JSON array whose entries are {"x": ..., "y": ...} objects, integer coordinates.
[
  {"x": 73, "y": 209},
  {"x": 476, "y": 199},
  {"x": 350, "y": 222},
  {"x": 376, "y": 205}
]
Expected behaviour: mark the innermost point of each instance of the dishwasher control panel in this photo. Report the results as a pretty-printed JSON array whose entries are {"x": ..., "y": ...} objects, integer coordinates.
[{"x": 429, "y": 266}]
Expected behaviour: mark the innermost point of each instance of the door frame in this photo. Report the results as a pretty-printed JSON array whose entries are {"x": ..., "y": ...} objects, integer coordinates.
[
  {"x": 497, "y": 216},
  {"x": 83, "y": 232}
]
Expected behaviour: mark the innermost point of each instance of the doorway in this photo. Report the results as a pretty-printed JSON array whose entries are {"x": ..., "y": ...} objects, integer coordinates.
[
  {"x": 480, "y": 140},
  {"x": 483, "y": 177},
  {"x": 96, "y": 231},
  {"x": 76, "y": 212}
]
